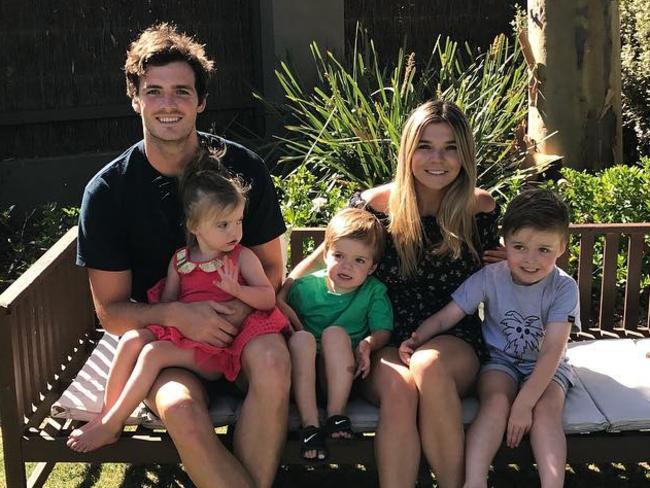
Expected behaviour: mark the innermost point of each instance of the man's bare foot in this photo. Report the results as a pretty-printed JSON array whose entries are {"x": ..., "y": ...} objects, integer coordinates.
[{"x": 93, "y": 435}]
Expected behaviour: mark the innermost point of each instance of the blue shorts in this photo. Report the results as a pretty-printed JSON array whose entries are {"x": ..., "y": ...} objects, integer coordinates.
[{"x": 520, "y": 370}]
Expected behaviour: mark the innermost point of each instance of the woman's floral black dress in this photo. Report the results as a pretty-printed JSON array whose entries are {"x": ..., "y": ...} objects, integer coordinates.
[{"x": 417, "y": 298}]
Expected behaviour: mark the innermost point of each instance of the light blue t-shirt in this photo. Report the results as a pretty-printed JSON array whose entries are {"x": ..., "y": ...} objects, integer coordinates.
[{"x": 516, "y": 316}]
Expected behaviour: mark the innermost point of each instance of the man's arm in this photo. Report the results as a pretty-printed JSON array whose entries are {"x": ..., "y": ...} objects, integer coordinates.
[
  {"x": 270, "y": 255},
  {"x": 200, "y": 321}
]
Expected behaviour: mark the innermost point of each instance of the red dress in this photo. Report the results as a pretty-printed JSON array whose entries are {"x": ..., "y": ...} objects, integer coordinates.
[{"x": 197, "y": 285}]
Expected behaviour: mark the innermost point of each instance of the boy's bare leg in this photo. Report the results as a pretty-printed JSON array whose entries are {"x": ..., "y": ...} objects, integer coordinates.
[
  {"x": 262, "y": 426},
  {"x": 302, "y": 346},
  {"x": 338, "y": 359},
  {"x": 496, "y": 392},
  {"x": 444, "y": 370},
  {"x": 179, "y": 399},
  {"x": 547, "y": 437}
]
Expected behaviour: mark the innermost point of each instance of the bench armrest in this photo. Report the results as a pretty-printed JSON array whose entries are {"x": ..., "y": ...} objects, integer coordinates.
[{"x": 44, "y": 317}]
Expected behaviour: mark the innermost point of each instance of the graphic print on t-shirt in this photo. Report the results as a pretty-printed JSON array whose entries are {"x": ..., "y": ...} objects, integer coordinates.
[{"x": 523, "y": 334}]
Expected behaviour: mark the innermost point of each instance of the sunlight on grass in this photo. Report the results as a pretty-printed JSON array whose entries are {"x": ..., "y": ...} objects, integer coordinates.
[{"x": 80, "y": 475}]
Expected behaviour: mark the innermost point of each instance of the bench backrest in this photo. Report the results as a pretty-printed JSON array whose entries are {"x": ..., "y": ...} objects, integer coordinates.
[{"x": 618, "y": 309}]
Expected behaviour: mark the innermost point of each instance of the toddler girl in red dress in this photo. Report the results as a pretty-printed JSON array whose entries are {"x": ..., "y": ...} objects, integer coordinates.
[{"x": 213, "y": 266}]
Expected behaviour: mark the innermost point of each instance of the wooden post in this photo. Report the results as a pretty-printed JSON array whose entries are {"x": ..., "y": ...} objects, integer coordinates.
[
  {"x": 288, "y": 27},
  {"x": 575, "y": 88}
]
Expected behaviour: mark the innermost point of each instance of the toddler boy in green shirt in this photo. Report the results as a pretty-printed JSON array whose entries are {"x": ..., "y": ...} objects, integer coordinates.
[{"x": 343, "y": 313}]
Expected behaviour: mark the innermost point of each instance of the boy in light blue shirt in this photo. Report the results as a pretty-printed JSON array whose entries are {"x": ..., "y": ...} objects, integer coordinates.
[{"x": 530, "y": 307}]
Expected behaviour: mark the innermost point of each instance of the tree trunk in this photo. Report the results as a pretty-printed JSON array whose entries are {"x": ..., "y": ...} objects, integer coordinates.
[{"x": 575, "y": 92}]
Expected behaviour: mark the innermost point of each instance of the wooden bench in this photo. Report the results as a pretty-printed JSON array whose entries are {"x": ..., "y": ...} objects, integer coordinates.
[{"x": 48, "y": 329}]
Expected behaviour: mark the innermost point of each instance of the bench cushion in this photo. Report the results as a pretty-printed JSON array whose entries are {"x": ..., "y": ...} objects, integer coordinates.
[
  {"x": 616, "y": 373},
  {"x": 580, "y": 414},
  {"x": 613, "y": 391}
]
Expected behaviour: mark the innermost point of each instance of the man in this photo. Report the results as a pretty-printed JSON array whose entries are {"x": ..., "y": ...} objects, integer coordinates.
[{"x": 130, "y": 224}]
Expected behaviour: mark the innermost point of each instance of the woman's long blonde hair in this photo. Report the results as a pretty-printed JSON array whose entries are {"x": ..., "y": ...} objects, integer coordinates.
[{"x": 455, "y": 216}]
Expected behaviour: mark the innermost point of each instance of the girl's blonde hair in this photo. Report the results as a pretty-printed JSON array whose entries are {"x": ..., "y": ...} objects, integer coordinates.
[
  {"x": 206, "y": 188},
  {"x": 455, "y": 216}
]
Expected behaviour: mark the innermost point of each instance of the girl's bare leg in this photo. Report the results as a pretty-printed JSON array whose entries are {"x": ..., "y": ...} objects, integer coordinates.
[
  {"x": 547, "y": 437},
  {"x": 154, "y": 357},
  {"x": 444, "y": 370},
  {"x": 126, "y": 355},
  {"x": 496, "y": 392},
  {"x": 390, "y": 385}
]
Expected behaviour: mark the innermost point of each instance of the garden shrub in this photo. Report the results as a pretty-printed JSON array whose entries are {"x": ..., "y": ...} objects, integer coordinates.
[
  {"x": 347, "y": 129},
  {"x": 619, "y": 194},
  {"x": 24, "y": 240}
]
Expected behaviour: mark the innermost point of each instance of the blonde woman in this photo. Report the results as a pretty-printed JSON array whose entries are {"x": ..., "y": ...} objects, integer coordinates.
[{"x": 441, "y": 230}]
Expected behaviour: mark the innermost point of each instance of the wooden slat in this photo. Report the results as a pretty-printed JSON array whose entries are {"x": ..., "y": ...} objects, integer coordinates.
[
  {"x": 24, "y": 352},
  {"x": 10, "y": 406},
  {"x": 608, "y": 283},
  {"x": 636, "y": 245},
  {"x": 585, "y": 277}
]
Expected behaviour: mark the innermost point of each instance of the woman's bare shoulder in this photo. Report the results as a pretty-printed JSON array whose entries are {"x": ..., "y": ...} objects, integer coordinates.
[
  {"x": 484, "y": 201},
  {"x": 377, "y": 197}
]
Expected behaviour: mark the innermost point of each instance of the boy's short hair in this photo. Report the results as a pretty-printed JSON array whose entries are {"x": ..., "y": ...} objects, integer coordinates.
[
  {"x": 537, "y": 208},
  {"x": 162, "y": 44},
  {"x": 360, "y": 225}
]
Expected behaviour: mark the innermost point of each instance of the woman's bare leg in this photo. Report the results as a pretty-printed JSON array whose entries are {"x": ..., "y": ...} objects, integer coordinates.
[
  {"x": 397, "y": 444},
  {"x": 444, "y": 369}
]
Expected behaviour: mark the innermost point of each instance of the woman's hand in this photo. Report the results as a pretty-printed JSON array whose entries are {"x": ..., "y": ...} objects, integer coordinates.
[{"x": 494, "y": 255}]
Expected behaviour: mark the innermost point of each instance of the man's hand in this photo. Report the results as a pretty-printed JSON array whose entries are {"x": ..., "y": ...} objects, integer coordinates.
[
  {"x": 229, "y": 274},
  {"x": 203, "y": 322},
  {"x": 408, "y": 347},
  {"x": 519, "y": 423},
  {"x": 362, "y": 355}
]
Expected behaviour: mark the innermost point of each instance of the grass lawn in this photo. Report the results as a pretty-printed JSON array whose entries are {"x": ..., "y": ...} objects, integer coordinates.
[{"x": 68, "y": 475}]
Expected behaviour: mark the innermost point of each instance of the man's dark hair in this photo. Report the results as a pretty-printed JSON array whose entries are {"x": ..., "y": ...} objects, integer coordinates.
[
  {"x": 160, "y": 45},
  {"x": 537, "y": 208}
]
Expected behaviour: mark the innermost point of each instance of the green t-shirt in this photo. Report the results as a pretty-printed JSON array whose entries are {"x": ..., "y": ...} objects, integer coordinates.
[{"x": 359, "y": 312}]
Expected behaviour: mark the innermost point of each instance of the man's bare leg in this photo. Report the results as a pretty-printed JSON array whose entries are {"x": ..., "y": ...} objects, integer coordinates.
[
  {"x": 180, "y": 401},
  {"x": 262, "y": 426}
]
